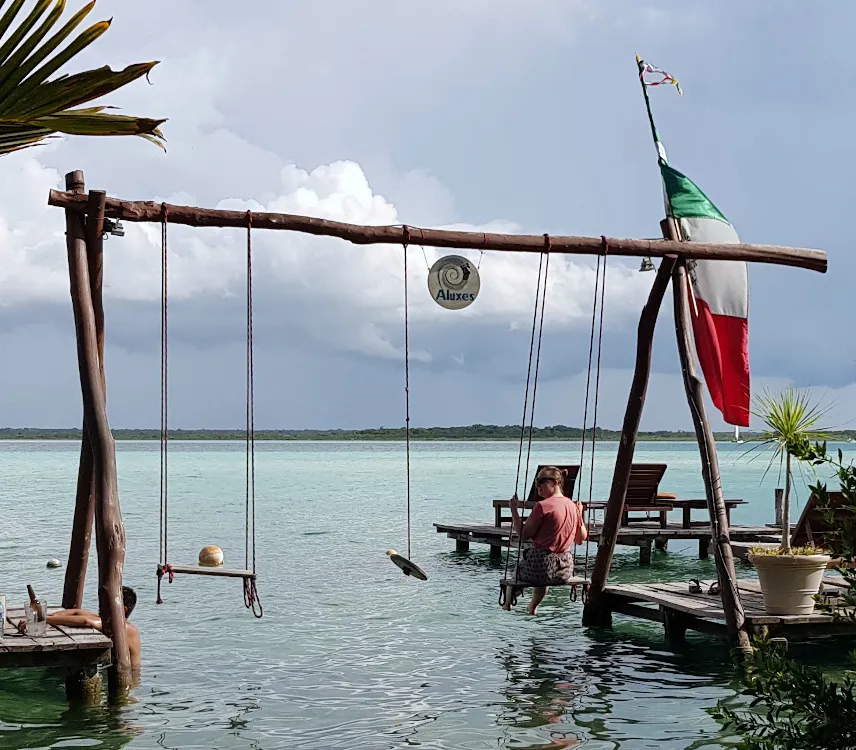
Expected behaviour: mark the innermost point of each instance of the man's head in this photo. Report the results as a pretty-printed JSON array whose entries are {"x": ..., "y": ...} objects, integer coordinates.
[{"x": 129, "y": 597}]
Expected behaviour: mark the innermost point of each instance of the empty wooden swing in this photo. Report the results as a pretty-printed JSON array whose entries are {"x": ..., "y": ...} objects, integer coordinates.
[
  {"x": 165, "y": 567},
  {"x": 510, "y": 587}
]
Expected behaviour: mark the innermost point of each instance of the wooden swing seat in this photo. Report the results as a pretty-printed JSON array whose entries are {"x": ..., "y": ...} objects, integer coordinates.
[
  {"x": 514, "y": 583},
  {"x": 201, "y": 570}
]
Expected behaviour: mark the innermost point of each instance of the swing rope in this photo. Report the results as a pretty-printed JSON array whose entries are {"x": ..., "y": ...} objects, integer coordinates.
[
  {"x": 251, "y": 594},
  {"x": 407, "y": 388},
  {"x": 540, "y": 297},
  {"x": 596, "y": 399},
  {"x": 163, "y": 566},
  {"x": 599, "y": 285}
]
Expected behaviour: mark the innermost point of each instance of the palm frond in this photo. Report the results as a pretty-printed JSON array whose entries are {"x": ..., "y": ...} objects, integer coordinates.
[{"x": 34, "y": 106}]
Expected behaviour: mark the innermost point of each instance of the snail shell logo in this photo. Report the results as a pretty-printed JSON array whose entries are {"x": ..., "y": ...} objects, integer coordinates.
[{"x": 453, "y": 282}]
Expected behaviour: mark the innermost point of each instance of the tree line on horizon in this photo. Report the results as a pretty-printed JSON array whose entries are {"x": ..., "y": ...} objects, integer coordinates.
[{"x": 466, "y": 432}]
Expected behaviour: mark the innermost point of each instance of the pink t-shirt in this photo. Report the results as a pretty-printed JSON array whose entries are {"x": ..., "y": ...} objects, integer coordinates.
[{"x": 553, "y": 524}]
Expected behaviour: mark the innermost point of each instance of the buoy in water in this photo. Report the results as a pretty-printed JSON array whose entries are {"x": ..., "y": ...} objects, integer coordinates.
[
  {"x": 407, "y": 567},
  {"x": 211, "y": 556},
  {"x": 54, "y": 563}
]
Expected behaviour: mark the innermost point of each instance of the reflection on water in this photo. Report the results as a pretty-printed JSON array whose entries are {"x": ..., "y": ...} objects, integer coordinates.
[{"x": 350, "y": 653}]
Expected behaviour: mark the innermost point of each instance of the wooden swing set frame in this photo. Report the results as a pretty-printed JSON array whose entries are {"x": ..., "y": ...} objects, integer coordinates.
[{"x": 97, "y": 499}]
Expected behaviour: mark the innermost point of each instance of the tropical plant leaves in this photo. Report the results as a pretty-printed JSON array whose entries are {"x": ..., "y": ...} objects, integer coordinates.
[{"x": 32, "y": 106}]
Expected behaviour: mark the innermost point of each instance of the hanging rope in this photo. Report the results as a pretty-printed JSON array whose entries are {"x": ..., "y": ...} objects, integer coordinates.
[
  {"x": 596, "y": 399},
  {"x": 163, "y": 566},
  {"x": 407, "y": 386},
  {"x": 599, "y": 284},
  {"x": 540, "y": 296},
  {"x": 251, "y": 594}
]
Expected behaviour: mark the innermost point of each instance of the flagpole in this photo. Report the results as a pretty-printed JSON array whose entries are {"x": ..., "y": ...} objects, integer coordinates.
[
  {"x": 661, "y": 153},
  {"x": 682, "y": 294}
]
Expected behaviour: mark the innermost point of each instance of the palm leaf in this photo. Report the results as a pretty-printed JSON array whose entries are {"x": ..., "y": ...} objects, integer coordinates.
[{"x": 34, "y": 106}]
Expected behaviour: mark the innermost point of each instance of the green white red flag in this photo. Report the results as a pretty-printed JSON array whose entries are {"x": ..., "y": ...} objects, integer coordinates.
[{"x": 718, "y": 289}]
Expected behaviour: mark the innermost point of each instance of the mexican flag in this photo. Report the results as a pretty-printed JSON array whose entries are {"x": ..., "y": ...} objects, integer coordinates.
[{"x": 719, "y": 298}]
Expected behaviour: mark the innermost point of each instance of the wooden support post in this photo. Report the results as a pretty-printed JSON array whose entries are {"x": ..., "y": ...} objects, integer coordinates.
[
  {"x": 595, "y": 612},
  {"x": 703, "y": 548},
  {"x": 674, "y": 625},
  {"x": 645, "y": 552},
  {"x": 84, "y": 506},
  {"x": 462, "y": 545},
  {"x": 726, "y": 574},
  {"x": 495, "y": 552},
  {"x": 83, "y": 686},
  {"x": 662, "y": 543},
  {"x": 109, "y": 531}
]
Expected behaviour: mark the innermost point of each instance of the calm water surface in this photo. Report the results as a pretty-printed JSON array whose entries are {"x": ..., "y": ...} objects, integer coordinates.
[{"x": 350, "y": 653}]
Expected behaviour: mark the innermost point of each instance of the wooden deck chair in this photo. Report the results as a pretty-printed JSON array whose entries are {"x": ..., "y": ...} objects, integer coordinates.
[
  {"x": 642, "y": 494},
  {"x": 812, "y": 528},
  {"x": 568, "y": 485},
  {"x": 502, "y": 515}
]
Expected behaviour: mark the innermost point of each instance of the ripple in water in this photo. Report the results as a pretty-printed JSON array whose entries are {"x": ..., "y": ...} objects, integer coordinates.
[{"x": 350, "y": 653}]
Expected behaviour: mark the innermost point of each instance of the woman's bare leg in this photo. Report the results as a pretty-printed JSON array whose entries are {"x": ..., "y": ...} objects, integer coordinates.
[{"x": 538, "y": 594}]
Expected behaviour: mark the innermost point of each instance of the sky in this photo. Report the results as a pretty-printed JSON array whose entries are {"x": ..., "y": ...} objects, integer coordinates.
[{"x": 484, "y": 115}]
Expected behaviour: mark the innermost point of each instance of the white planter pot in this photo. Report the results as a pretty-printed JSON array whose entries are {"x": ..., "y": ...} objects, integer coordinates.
[{"x": 788, "y": 582}]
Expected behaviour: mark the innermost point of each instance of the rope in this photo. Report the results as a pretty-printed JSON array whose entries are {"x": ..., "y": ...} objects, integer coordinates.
[
  {"x": 596, "y": 399},
  {"x": 251, "y": 594},
  {"x": 540, "y": 296},
  {"x": 163, "y": 566},
  {"x": 407, "y": 385}
]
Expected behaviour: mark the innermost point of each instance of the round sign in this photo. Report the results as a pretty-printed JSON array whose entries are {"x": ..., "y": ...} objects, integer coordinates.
[{"x": 453, "y": 282}]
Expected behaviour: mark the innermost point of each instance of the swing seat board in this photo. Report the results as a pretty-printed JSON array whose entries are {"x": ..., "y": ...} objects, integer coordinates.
[
  {"x": 575, "y": 581},
  {"x": 201, "y": 570}
]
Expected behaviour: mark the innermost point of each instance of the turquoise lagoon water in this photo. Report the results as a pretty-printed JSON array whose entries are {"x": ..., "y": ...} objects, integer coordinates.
[{"x": 350, "y": 653}]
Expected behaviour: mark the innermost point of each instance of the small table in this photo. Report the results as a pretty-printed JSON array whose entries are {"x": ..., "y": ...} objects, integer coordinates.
[{"x": 688, "y": 506}]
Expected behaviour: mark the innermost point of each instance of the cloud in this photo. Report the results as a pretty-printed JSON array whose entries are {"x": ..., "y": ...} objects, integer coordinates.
[{"x": 488, "y": 116}]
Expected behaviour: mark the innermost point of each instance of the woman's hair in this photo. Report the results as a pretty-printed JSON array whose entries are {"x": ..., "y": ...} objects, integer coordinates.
[{"x": 551, "y": 472}]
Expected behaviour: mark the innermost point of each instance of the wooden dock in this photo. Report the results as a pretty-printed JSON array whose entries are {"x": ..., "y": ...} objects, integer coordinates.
[
  {"x": 642, "y": 534},
  {"x": 678, "y": 610},
  {"x": 73, "y": 648}
]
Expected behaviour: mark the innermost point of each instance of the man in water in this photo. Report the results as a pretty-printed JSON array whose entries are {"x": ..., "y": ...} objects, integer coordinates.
[{"x": 82, "y": 618}]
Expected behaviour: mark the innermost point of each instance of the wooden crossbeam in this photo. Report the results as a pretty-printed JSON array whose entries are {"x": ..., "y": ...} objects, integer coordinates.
[{"x": 149, "y": 211}]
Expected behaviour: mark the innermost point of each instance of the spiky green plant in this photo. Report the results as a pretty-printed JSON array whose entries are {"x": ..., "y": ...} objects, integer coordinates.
[
  {"x": 34, "y": 107},
  {"x": 791, "y": 420}
]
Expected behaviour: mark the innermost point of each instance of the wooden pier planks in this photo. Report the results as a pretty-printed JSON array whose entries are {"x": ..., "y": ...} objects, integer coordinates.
[
  {"x": 680, "y": 610},
  {"x": 59, "y": 647}
]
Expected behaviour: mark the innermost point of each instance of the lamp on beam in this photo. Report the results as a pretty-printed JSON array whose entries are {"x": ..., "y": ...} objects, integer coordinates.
[
  {"x": 114, "y": 227},
  {"x": 647, "y": 265}
]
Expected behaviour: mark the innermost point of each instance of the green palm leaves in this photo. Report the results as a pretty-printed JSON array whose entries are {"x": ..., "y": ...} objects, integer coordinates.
[
  {"x": 791, "y": 423},
  {"x": 32, "y": 107}
]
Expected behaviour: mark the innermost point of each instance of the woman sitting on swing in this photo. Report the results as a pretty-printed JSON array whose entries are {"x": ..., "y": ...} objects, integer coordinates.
[{"x": 555, "y": 524}]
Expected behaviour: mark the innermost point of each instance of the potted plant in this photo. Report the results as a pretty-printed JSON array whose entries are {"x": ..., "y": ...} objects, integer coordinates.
[{"x": 789, "y": 578}]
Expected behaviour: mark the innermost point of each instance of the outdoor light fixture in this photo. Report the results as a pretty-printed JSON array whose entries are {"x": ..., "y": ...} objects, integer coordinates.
[
  {"x": 113, "y": 226},
  {"x": 647, "y": 265}
]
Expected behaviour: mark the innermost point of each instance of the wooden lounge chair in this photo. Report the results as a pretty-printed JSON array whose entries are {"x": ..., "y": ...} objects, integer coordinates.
[
  {"x": 532, "y": 498},
  {"x": 812, "y": 528},
  {"x": 642, "y": 494}
]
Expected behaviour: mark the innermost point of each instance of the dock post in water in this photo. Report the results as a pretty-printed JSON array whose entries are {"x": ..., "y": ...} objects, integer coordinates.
[
  {"x": 595, "y": 613},
  {"x": 109, "y": 530},
  {"x": 731, "y": 604}
]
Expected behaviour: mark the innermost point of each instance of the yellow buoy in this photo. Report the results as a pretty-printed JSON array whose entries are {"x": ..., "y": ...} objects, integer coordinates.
[{"x": 211, "y": 556}]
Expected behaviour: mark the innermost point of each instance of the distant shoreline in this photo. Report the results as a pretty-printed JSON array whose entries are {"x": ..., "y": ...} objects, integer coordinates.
[{"x": 472, "y": 433}]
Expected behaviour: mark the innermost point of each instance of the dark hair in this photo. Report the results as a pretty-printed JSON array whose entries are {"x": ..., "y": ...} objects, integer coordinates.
[{"x": 129, "y": 597}]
